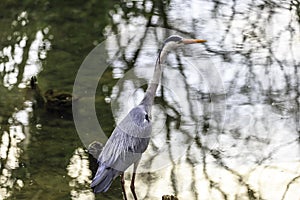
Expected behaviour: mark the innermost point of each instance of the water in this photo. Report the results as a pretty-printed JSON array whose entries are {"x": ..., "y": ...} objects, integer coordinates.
[{"x": 226, "y": 119}]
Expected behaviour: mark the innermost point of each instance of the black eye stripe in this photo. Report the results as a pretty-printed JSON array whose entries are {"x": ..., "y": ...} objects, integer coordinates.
[{"x": 147, "y": 117}]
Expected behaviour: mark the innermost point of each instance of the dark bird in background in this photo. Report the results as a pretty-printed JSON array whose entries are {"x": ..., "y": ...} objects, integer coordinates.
[
  {"x": 131, "y": 137},
  {"x": 52, "y": 100}
]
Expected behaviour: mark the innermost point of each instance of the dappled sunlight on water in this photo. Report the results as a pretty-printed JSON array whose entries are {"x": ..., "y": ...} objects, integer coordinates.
[
  {"x": 79, "y": 171},
  {"x": 10, "y": 150},
  {"x": 13, "y": 55},
  {"x": 191, "y": 181},
  {"x": 226, "y": 122},
  {"x": 15, "y": 135}
]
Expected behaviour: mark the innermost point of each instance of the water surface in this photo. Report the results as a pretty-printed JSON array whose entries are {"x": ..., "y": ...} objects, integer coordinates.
[{"x": 226, "y": 118}]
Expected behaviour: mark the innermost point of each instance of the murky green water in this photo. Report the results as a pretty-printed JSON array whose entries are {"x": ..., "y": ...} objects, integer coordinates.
[{"x": 226, "y": 119}]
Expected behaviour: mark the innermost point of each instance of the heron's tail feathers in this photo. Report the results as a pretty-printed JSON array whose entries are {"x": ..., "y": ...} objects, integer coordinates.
[{"x": 103, "y": 178}]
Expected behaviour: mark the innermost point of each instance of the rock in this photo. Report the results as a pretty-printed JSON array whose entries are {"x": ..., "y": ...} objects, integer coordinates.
[
  {"x": 94, "y": 150},
  {"x": 169, "y": 197}
]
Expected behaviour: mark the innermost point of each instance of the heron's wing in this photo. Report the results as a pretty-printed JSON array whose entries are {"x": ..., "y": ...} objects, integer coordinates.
[
  {"x": 122, "y": 150},
  {"x": 124, "y": 147}
]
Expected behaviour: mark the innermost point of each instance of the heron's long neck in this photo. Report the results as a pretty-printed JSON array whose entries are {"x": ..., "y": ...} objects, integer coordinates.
[{"x": 152, "y": 87}]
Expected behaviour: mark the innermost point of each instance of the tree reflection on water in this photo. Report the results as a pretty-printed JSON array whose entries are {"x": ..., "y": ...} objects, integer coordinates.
[
  {"x": 254, "y": 47},
  {"x": 226, "y": 120}
]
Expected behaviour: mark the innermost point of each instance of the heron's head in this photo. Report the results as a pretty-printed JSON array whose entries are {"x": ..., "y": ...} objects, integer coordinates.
[{"x": 175, "y": 41}]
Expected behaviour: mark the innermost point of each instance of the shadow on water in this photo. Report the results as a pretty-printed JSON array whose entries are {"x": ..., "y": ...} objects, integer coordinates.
[{"x": 226, "y": 117}]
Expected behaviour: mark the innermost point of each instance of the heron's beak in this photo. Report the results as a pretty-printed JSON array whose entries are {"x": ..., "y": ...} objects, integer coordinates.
[{"x": 192, "y": 41}]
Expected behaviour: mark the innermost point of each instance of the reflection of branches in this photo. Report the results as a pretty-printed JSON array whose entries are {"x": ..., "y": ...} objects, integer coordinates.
[
  {"x": 263, "y": 72},
  {"x": 191, "y": 164},
  {"x": 289, "y": 185},
  {"x": 24, "y": 60},
  {"x": 168, "y": 138},
  {"x": 251, "y": 193},
  {"x": 212, "y": 184}
]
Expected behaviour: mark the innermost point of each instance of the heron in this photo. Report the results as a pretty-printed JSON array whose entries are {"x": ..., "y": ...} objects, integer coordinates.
[{"x": 130, "y": 139}]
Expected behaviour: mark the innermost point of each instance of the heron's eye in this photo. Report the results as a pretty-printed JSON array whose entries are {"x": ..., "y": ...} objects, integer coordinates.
[{"x": 147, "y": 117}]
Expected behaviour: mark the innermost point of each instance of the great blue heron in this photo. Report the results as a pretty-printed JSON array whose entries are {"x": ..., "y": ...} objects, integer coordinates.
[{"x": 131, "y": 137}]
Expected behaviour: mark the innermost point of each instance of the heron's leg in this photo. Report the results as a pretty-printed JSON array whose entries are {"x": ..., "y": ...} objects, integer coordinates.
[
  {"x": 133, "y": 178},
  {"x": 123, "y": 186}
]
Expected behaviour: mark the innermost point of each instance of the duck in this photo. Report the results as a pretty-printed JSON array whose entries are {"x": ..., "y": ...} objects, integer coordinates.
[
  {"x": 52, "y": 100},
  {"x": 58, "y": 100}
]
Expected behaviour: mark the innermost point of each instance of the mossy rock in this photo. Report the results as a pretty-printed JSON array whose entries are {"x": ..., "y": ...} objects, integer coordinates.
[{"x": 169, "y": 197}]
